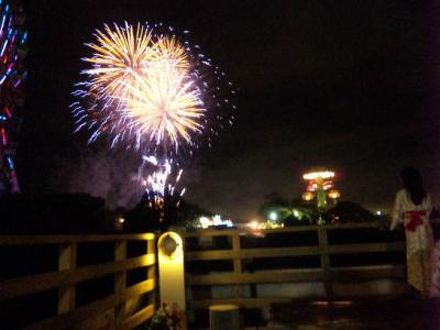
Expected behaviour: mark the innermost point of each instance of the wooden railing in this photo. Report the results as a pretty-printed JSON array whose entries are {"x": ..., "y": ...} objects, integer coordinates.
[
  {"x": 109, "y": 312},
  {"x": 327, "y": 273}
]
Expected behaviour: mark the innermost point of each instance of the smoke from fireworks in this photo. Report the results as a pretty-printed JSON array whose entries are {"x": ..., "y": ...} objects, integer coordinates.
[{"x": 148, "y": 89}]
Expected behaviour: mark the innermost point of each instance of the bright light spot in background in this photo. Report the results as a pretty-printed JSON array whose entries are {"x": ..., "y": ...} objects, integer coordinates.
[
  {"x": 273, "y": 216},
  {"x": 204, "y": 222},
  {"x": 319, "y": 175},
  {"x": 334, "y": 194},
  {"x": 379, "y": 213},
  {"x": 229, "y": 223},
  {"x": 216, "y": 220},
  {"x": 308, "y": 196},
  {"x": 118, "y": 223},
  {"x": 257, "y": 226}
]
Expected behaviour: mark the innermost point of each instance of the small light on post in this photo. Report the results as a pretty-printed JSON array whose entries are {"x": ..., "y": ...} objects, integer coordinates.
[
  {"x": 170, "y": 245},
  {"x": 119, "y": 223}
]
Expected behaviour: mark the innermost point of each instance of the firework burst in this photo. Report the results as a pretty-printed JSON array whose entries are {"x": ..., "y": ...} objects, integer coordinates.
[
  {"x": 164, "y": 108},
  {"x": 149, "y": 90}
]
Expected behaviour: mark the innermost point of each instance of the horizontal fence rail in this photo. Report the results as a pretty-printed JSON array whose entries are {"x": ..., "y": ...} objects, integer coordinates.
[
  {"x": 126, "y": 307},
  {"x": 242, "y": 249}
]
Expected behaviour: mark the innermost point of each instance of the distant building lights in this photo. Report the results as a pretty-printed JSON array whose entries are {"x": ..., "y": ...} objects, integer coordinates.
[
  {"x": 229, "y": 223},
  {"x": 205, "y": 222},
  {"x": 216, "y": 220},
  {"x": 253, "y": 225},
  {"x": 273, "y": 216}
]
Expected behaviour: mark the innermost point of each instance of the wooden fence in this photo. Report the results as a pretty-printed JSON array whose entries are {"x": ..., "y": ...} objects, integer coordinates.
[
  {"x": 109, "y": 312},
  {"x": 327, "y": 273}
]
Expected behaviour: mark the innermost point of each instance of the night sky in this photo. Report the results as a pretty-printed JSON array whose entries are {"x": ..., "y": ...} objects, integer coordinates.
[{"x": 349, "y": 85}]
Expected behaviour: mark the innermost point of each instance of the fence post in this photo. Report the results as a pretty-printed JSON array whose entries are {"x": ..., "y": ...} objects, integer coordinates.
[
  {"x": 325, "y": 261},
  {"x": 152, "y": 271},
  {"x": 171, "y": 274},
  {"x": 120, "y": 280},
  {"x": 237, "y": 260},
  {"x": 66, "y": 261}
]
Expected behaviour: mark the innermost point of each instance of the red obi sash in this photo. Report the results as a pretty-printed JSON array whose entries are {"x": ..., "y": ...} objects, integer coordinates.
[{"x": 415, "y": 219}]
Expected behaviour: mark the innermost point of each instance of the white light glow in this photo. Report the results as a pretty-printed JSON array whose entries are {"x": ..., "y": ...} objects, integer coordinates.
[
  {"x": 273, "y": 216},
  {"x": 319, "y": 175}
]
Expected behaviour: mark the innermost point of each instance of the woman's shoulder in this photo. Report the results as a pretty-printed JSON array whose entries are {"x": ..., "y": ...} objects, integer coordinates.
[
  {"x": 401, "y": 194},
  {"x": 403, "y": 198}
]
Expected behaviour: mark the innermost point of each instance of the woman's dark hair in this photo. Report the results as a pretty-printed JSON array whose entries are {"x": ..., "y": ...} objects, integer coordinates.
[{"x": 413, "y": 184}]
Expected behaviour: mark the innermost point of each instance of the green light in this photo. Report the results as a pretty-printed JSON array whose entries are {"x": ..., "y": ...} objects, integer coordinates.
[{"x": 273, "y": 216}]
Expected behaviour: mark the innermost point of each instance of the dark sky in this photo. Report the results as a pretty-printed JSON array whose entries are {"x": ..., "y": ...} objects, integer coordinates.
[{"x": 349, "y": 85}]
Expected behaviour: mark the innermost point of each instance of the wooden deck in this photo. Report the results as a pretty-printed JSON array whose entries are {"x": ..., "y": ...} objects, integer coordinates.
[{"x": 249, "y": 264}]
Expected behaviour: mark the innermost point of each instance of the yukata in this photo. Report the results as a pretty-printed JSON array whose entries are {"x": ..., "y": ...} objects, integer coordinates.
[
  {"x": 435, "y": 283},
  {"x": 419, "y": 238}
]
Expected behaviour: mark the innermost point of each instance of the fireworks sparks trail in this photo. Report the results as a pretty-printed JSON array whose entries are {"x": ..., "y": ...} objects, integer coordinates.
[
  {"x": 157, "y": 184},
  {"x": 149, "y": 90}
]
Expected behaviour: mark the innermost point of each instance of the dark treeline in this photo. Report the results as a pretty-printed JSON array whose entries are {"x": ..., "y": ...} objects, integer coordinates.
[{"x": 82, "y": 213}]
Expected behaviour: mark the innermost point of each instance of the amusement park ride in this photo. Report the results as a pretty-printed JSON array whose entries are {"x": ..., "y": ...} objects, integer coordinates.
[
  {"x": 12, "y": 75},
  {"x": 320, "y": 188}
]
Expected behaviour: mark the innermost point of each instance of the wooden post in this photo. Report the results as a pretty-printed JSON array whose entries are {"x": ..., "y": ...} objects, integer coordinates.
[
  {"x": 66, "y": 294},
  {"x": 325, "y": 261},
  {"x": 151, "y": 271},
  {"x": 120, "y": 280},
  {"x": 172, "y": 274},
  {"x": 237, "y": 260}
]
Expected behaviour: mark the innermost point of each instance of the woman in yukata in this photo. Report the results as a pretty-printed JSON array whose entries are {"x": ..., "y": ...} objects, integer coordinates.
[{"x": 412, "y": 208}]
